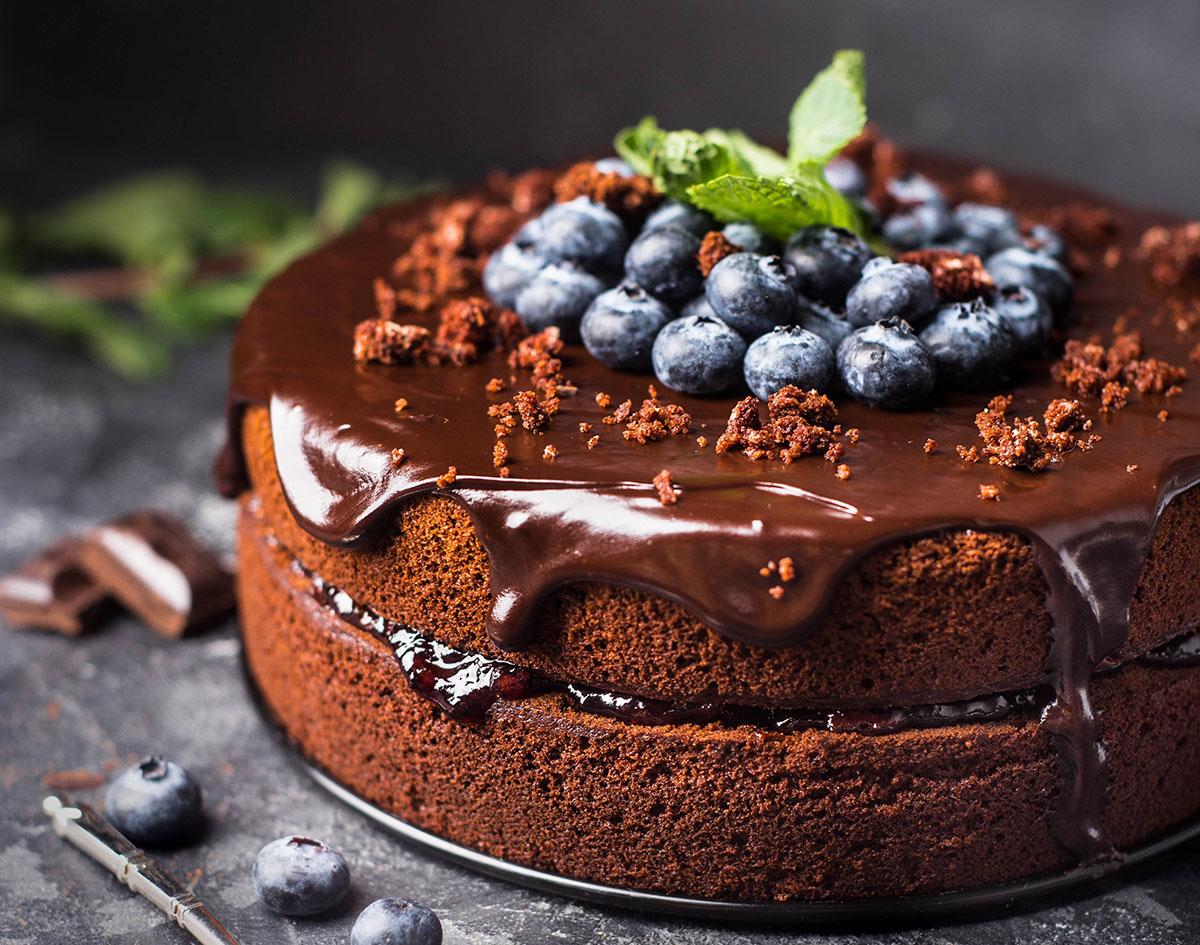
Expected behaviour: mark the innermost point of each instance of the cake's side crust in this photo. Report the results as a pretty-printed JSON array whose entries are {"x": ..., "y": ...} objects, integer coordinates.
[
  {"x": 682, "y": 809},
  {"x": 938, "y": 618}
]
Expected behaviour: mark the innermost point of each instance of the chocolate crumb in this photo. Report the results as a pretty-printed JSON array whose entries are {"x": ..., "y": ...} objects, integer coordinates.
[
  {"x": 842, "y": 472},
  {"x": 500, "y": 455},
  {"x": 787, "y": 569},
  {"x": 702, "y": 441},
  {"x": 930, "y": 446},
  {"x": 798, "y": 424},
  {"x": 495, "y": 385},
  {"x": 766, "y": 570},
  {"x": 1091, "y": 369},
  {"x": 1171, "y": 253},
  {"x": 957, "y": 277},
  {"x": 585, "y": 427},
  {"x": 401, "y": 404},
  {"x": 776, "y": 591},
  {"x": 1023, "y": 442},
  {"x": 387, "y": 342},
  {"x": 713, "y": 248},
  {"x": 550, "y": 453},
  {"x": 398, "y": 456},
  {"x": 603, "y": 400},
  {"x": 654, "y": 420},
  {"x": 853, "y": 434},
  {"x": 989, "y": 493},
  {"x": 504, "y": 471},
  {"x": 630, "y": 198},
  {"x": 835, "y": 452},
  {"x": 1131, "y": 468},
  {"x": 667, "y": 493},
  {"x": 593, "y": 442},
  {"x": 447, "y": 477},
  {"x": 1163, "y": 415}
]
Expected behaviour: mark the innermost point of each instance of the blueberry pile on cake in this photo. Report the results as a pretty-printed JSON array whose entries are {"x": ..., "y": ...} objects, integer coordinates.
[{"x": 733, "y": 524}]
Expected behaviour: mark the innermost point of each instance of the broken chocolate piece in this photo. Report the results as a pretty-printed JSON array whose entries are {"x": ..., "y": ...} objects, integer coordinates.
[
  {"x": 154, "y": 566},
  {"x": 51, "y": 591}
]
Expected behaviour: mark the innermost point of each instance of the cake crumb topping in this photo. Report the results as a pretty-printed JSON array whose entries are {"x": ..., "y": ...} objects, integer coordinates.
[
  {"x": 668, "y": 494},
  {"x": 629, "y": 197},
  {"x": 550, "y": 453},
  {"x": 654, "y": 420},
  {"x": 929, "y": 447},
  {"x": 989, "y": 493},
  {"x": 843, "y": 471},
  {"x": 447, "y": 477},
  {"x": 798, "y": 424},
  {"x": 387, "y": 342},
  {"x": 1091, "y": 369},
  {"x": 957, "y": 277},
  {"x": 500, "y": 454},
  {"x": 713, "y": 248},
  {"x": 400, "y": 405},
  {"x": 398, "y": 456},
  {"x": 1171, "y": 253},
  {"x": 776, "y": 591},
  {"x": 1026, "y": 443}
]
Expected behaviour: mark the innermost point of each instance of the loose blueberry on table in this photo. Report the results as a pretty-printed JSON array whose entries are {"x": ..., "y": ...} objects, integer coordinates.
[
  {"x": 396, "y": 922},
  {"x": 299, "y": 876},
  {"x": 156, "y": 803}
]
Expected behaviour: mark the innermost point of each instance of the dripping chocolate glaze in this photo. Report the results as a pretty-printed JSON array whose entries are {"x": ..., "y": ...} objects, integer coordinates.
[{"x": 594, "y": 515}]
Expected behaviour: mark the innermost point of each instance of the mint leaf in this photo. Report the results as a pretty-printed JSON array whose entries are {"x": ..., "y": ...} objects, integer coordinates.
[
  {"x": 684, "y": 158},
  {"x": 830, "y": 112},
  {"x": 752, "y": 158},
  {"x": 638, "y": 144},
  {"x": 776, "y": 205}
]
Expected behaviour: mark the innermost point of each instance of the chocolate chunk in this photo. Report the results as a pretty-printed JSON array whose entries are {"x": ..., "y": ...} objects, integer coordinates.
[
  {"x": 154, "y": 566},
  {"x": 51, "y": 591}
]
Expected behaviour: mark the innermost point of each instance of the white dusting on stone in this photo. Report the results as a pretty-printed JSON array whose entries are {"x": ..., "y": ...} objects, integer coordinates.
[{"x": 22, "y": 872}]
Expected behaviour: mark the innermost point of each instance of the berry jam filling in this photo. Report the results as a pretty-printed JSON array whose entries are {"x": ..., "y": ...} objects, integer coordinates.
[{"x": 465, "y": 685}]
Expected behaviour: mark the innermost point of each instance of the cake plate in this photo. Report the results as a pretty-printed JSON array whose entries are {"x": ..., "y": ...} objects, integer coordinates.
[{"x": 972, "y": 904}]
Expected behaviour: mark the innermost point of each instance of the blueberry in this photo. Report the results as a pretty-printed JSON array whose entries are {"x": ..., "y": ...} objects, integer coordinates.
[
  {"x": 845, "y": 177},
  {"x": 916, "y": 228},
  {"x": 970, "y": 342},
  {"x": 1047, "y": 278},
  {"x": 990, "y": 228},
  {"x": 614, "y": 165},
  {"x": 750, "y": 239},
  {"x": 899, "y": 291},
  {"x": 558, "y": 296},
  {"x": 828, "y": 260},
  {"x": 674, "y": 213},
  {"x": 786, "y": 355},
  {"x": 155, "y": 803},
  {"x": 751, "y": 293},
  {"x": 663, "y": 262},
  {"x": 620, "y": 325},
  {"x": 912, "y": 189},
  {"x": 886, "y": 365},
  {"x": 698, "y": 306},
  {"x": 396, "y": 922},
  {"x": 698, "y": 355},
  {"x": 1025, "y": 314},
  {"x": 577, "y": 231},
  {"x": 1042, "y": 239},
  {"x": 875, "y": 264},
  {"x": 825, "y": 323},
  {"x": 300, "y": 876},
  {"x": 509, "y": 270}
]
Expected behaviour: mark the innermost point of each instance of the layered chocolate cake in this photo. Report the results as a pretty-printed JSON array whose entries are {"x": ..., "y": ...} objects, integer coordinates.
[{"x": 885, "y": 634}]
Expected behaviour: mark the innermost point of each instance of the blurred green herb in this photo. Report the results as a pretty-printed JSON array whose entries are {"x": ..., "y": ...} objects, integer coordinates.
[{"x": 188, "y": 256}]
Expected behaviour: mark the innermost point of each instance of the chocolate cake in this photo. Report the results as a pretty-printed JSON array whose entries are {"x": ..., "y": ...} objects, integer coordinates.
[{"x": 697, "y": 645}]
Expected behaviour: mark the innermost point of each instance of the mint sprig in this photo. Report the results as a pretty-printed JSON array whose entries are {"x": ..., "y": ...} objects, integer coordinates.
[{"x": 737, "y": 179}]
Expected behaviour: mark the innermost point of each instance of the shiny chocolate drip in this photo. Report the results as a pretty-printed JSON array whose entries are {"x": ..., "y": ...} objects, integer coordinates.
[{"x": 593, "y": 515}]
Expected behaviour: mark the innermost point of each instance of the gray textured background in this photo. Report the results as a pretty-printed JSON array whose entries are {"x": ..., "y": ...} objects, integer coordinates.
[
  {"x": 1105, "y": 92},
  {"x": 77, "y": 447}
]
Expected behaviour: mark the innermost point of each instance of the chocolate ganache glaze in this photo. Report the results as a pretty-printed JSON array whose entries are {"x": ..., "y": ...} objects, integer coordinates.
[{"x": 593, "y": 515}]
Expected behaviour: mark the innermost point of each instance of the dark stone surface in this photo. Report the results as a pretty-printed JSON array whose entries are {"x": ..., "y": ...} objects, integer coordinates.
[{"x": 77, "y": 447}]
